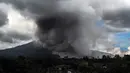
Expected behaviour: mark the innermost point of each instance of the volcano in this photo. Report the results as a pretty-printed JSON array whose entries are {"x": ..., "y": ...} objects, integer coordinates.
[{"x": 37, "y": 51}]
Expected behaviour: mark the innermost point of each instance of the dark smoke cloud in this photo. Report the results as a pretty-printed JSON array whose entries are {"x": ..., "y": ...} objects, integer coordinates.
[{"x": 57, "y": 28}]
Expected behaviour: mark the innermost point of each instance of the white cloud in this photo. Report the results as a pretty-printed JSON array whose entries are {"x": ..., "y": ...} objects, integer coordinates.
[{"x": 17, "y": 30}]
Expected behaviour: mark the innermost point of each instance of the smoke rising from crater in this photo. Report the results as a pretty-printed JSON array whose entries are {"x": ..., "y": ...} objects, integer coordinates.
[{"x": 71, "y": 26}]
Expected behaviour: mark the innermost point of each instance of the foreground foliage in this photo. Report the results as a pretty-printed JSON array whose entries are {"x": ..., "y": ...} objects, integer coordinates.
[{"x": 66, "y": 65}]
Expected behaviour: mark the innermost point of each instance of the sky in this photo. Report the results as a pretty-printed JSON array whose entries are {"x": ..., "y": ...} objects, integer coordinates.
[
  {"x": 122, "y": 38},
  {"x": 87, "y": 25}
]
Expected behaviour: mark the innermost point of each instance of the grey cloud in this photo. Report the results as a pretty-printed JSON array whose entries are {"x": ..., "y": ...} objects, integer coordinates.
[
  {"x": 118, "y": 18},
  {"x": 38, "y": 7},
  {"x": 18, "y": 36},
  {"x": 6, "y": 39},
  {"x": 3, "y": 18},
  {"x": 10, "y": 36}
]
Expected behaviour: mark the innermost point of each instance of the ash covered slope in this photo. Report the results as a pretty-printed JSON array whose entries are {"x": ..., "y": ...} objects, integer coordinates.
[{"x": 34, "y": 51}]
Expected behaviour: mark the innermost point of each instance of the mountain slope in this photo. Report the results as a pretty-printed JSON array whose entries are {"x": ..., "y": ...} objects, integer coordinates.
[
  {"x": 35, "y": 51},
  {"x": 27, "y": 50}
]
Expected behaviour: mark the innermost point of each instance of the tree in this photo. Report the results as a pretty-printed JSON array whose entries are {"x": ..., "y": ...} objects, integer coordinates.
[
  {"x": 85, "y": 58},
  {"x": 104, "y": 57},
  {"x": 117, "y": 57}
]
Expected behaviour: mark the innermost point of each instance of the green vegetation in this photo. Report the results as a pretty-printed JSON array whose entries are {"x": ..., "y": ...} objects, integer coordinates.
[{"x": 107, "y": 64}]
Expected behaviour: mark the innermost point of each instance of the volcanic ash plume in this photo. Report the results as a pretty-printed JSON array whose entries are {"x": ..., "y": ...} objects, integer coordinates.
[
  {"x": 60, "y": 23},
  {"x": 71, "y": 26},
  {"x": 75, "y": 23}
]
